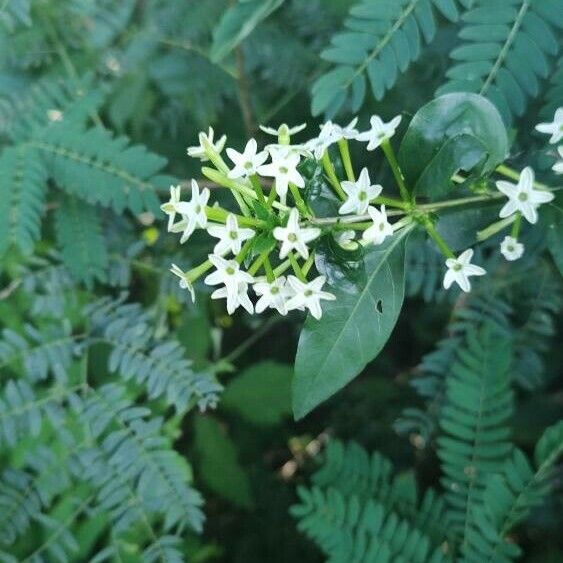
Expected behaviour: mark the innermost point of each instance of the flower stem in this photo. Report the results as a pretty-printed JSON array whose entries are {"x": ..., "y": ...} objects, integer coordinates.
[
  {"x": 279, "y": 270},
  {"x": 494, "y": 228},
  {"x": 257, "y": 188},
  {"x": 329, "y": 169},
  {"x": 244, "y": 251},
  {"x": 271, "y": 198},
  {"x": 219, "y": 215},
  {"x": 390, "y": 202},
  {"x": 308, "y": 263},
  {"x": 390, "y": 155},
  {"x": 256, "y": 265},
  {"x": 354, "y": 226},
  {"x": 299, "y": 202},
  {"x": 270, "y": 275},
  {"x": 440, "y": 242},
  {"x": 198, "y": 271},
  {"x": 346, "y": 160},
  {"x": 514, "y": 175},
  {"x": 296, "y": 268},
  {"x": 516, "y": 226}
]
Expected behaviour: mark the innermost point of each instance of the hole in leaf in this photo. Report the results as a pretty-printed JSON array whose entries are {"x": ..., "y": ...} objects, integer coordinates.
[{"x": 379, "y": 306}]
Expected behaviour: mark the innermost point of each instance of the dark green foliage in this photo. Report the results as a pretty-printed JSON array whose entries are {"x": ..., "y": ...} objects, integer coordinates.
[{"x": 508, "y": 47}]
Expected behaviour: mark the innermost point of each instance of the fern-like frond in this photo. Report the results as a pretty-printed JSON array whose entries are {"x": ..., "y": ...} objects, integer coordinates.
[
  {"x": 507, "y": 50},
  {"x": 14, "y": 13},
  {"x": 349, "y": 529},
  {"x": 554, "y": 92},
  {"x": 380, "y": 40},
  {"x": 99, "y": 168},
  {"x": 159, "y": 365},
  {"x": 22, "y": 198},
  {"x": 79, "y": 236},
  {"x": 474, "y": 422}
]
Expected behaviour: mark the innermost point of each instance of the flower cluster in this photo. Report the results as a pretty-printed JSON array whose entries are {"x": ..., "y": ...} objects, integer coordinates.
[{"x": 268, "y": 244}]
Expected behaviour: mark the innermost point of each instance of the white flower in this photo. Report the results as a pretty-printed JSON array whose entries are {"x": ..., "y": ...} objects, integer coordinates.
[
  {"x": 459, "y": 270},
  {"x": 228, "y": 272},
  {"x": 359, "y": 193},
  {"x": 308, "y": 295},
  {"x": 170, "y": 207},
  {"x": 246, "y": 162},
  {"x": 301, "y": 150},
  {"x": 272, "y": 295},
  {"x": 381, "y": 228},
  {"x": 235, "y": 299},
  {"x": 193, "y": 213},
  {"x": 558, "y": 166},
  {"x": 555, "y": 128},
  {"x": 230, "y": 236},
  {"x": 344, "y": 238},
  {"x": 327, "y": 137},
  {"x": 522, "y": 196},
  {"x": 199, "y": 150},
  {"x": 511, "y": 249},
  {"x": 347, "y": 132},
  {"x": 284, "y": 169},
  {"x": 293, "y": 237},
  {"x": 185, "y": 283},
  {"x": 283, "y": 129},
  {"x": 379, "y": 131}
]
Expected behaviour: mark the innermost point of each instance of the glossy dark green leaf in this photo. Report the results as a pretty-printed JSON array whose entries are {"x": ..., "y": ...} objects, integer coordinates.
[
  {"x": 218, "y": 464},
  {"x": 237, "y": 23},
  {"x": 261, "y": 394},
  {"x": 459, "y": 131},
  {"x": 353, "y": 329}
]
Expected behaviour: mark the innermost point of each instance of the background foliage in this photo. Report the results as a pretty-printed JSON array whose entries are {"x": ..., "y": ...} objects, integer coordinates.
[{"x": 122, "y": 405}]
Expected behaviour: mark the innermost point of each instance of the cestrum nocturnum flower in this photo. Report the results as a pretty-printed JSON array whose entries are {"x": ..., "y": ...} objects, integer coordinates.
[
  {"x": 381, "y": 228},
  {"x": 193, "y": 213},
  {"x": 379, "y": 131},
  {"x": 283, "y": 169},
  {"x": 235, "y": 298},
  {"x": 318, "y": 145},
  {"x": 294, "y": 237},
  {"x": 511, "y": 249},
  {"x": 359, "y": 193},
  {"x": 308, "y": 295},
  {"x": 246, "y": 162},
  {"x": 230, "y": 236},
  {"x": 170, "y": 207},
  {"x": 185, "y": 283},
  {"x": 227, "y": 272},
  {"x": 200, "y": 151},
  {"x": 554, "y": 128},
  {"x": 283, "y": 130},
  {"x": 460, "y": 269},
  {"x": 272, "y": 295},
  {"x": 522, "y": 197}
]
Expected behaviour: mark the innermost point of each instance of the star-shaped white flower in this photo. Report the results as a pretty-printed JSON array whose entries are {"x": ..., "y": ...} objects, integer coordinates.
[
  {"x": 235, "y": 299},
  {"x": 284, "y": 169},
  {"x": 293, "y": 237},
  {"x": 283, "y": 129},
  {"x": 227, "y": 272},
  {"x": 460, "y": 269},
  {"x": 511, "y": 249},
  {"x": 327, "y": 137},
  {"x": 347, "y": 132},
  {"x": 273, "y": 295},
  {"x": 522, "y": 196},
  {"x": 381, "y": 228},
  {"x": 359, "y": 193},
  {"x": 185, "y": 283},
  {"x": 555, "y": 128},
  {"x": 558, "y": 166},
  {"x": 308, "y": 295},
  {"x": 193, "y": 213},
  {"x": 246, "y": 162},
  {"x": 199, "y": 151},
  {"x": 379, "y": 131},
  {"x": 230, "y": 236},
  {"x": 170, "y": 207}
]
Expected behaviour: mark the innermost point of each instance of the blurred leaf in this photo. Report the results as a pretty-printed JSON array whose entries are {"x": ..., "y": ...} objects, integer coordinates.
[
  {"x": 451, "y": 133},
  {"x": 261, "y": 394},
  {"x": 219, "y": 467},
  {"x": 354, "y": 328},
  {"x": 237, "y": 23}
]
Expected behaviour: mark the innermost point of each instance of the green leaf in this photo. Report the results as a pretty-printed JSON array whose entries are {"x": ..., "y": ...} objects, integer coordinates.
[
  {"x": 354, "y": 328},
  {"x": 453, "y": 132},
  {"x": 555, "y": 238},
  {"x": 218, "y": 464},
  {"x": 237, "y": 23},
  {"x": 261, "y": 394}
]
